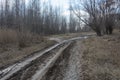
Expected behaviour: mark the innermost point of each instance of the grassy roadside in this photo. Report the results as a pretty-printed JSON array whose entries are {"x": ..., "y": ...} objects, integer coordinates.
[
  {"x": 100, "y": 58},
  {"x": 10, "y": 56},
  {"x": 15, "y": 46}
]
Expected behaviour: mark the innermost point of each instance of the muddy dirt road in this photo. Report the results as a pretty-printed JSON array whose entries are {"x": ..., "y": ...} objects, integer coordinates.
[
  {"x": 67, "y": 67},
  {"x": 59, "y": 62}
]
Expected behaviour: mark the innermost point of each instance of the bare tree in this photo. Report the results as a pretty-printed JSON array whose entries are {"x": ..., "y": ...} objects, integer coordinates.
[
  {"x": 35, "y": 16},
  {"x": 100, "y": 15}
]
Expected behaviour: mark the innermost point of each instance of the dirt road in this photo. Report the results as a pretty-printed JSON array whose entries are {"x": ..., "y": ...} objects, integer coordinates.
[
  {"x": 67, "y": 67},
  {"x": 62, "y": 55}
]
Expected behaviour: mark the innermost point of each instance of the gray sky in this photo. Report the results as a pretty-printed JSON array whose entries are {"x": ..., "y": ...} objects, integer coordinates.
[{"x": 64, "y": 4}]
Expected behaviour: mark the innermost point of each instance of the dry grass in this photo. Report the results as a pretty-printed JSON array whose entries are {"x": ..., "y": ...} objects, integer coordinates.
[
  {"x": 21, "y": 39},
  {"x": 8, "y": 36},
  {"x": 101, "y": 58},
  {"x": 15, "y": 54},
  {"x": 16, "y": 45}
]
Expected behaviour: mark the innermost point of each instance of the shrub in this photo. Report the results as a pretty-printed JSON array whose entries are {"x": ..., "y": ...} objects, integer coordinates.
[{"x": 10, "y": 36}]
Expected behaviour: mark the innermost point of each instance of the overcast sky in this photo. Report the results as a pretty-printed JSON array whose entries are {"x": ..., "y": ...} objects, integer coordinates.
[{"x": 64, "y": 4}]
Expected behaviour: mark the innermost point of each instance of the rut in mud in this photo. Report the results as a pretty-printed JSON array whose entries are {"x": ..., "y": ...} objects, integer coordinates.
[
  {"x": 60, "y": 62},
  {"x": 28, "y": 71},
  {"x": 67, "y": 67}
]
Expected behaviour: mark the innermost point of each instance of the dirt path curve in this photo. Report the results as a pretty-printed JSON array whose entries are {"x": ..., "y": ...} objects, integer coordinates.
[{"x": 56, "y": 39}]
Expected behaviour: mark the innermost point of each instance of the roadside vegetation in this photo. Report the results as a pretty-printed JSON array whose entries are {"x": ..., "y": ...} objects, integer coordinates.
[
  {"x": 20, "y": 39},
  {"x": 100, "y": 59},
  {"x": 15, "y": 45}
]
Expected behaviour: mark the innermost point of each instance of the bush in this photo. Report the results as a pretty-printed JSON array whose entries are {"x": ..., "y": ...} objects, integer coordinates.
[
  {"x": 24, "y": 38},
  {"x": 10, "y": 36}
]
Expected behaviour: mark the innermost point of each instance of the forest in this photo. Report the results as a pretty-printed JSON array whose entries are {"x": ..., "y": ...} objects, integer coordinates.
[{"x": 35, "y": 16}]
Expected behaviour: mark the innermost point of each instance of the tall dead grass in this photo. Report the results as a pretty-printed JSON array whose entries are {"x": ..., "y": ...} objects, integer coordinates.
[
  {"x": 101, "y": 58},
  {"x": 10, "y": 36}
]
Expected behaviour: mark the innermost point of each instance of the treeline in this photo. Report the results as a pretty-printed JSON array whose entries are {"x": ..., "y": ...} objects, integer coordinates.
[{"x": 33, "y": 15}]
